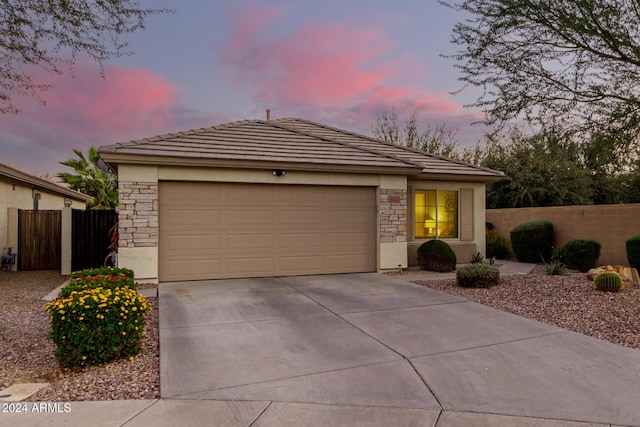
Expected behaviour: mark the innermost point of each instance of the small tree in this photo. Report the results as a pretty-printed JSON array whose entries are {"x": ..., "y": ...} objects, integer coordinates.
[
  {"x": 439, "y": 140},
  {"x": 540, "y": 170},
  {"x": 90, "y": 179}
]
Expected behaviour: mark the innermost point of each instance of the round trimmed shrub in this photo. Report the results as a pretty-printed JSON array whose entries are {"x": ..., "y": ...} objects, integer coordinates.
[
  {"x": 497, "y": 245},
  {"x": 436, "y": 255},
  {"x": 608, "y": 281},
  {"x": 580, "y": 254},
  {"x": 477, "y": 276},
  {"x": 633, "y": 252},
  {"x": 532, "y": 241},
  {"x": 98, "y": 325}
]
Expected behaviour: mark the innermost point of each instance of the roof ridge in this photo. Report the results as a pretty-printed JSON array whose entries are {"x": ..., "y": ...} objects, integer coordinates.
[
  {"x": 346, "y": 144},
  {"x": 193, "y": 131},
  {"x": 403, "y": 147}
]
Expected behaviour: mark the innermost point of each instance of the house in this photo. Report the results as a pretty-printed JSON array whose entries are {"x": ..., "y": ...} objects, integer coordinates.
[
  {"x": 19, "y": 190},
  {"x": 286, "y": 197}
]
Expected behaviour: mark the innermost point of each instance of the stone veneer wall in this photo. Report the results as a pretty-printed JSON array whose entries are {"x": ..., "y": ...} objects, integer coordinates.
[
  {"x": 393, "y": 216},
  {"x": 138, "y": 214}
]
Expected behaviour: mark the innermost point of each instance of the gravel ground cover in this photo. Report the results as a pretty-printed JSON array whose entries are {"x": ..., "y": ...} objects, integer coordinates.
[
  {"x": 26, "y": 351},
  {"x": 569, "y": 301}
]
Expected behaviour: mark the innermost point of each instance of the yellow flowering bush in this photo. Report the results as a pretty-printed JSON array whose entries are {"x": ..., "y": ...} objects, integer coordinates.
[
  {"x": 107, "y": 277},
  {"x": 116, "y": 271},
  {"x": 97, "y": 325}
]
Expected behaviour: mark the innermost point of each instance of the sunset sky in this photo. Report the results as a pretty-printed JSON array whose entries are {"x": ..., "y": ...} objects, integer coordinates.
[{"x": 337, "y": 62}]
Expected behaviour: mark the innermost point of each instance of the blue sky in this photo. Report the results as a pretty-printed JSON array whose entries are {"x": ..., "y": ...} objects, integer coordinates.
[{"x": 337, "y": 62}]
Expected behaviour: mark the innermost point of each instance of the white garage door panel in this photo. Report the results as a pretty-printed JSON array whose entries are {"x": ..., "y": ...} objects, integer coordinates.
[{"x": 222, "y": 230}]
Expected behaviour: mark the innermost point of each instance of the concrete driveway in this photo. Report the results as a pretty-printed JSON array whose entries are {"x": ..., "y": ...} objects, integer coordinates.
[{"x": 360, "y": 349}]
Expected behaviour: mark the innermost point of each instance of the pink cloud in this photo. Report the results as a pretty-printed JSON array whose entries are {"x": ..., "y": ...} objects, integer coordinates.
[
  {"x": 87, "y": 110},
  {"x": 325, "y": 65},
  {"x": 87, "y": 106}
]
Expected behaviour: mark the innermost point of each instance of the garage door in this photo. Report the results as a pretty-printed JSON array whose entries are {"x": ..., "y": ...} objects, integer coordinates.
[{"x": 211, "y": 230}]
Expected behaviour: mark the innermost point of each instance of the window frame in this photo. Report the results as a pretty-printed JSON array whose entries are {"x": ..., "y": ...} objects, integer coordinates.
[{"x": 413, "y": 212}]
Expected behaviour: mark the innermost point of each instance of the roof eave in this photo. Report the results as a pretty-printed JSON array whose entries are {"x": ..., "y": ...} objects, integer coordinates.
[
  {"x": 43, "y": 184},
  {"x": 459, "y": 177},
  {"x": 113, "y": 160}
]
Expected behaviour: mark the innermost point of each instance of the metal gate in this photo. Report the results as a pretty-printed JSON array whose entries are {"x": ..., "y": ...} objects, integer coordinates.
[
  {"x": 39, "y": 234},
  {"x": 90, "y": 238}
]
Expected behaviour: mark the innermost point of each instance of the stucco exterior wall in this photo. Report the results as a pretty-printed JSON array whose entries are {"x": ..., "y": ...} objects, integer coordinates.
[
  {"x": 462, "y": 249},
  {"x": 611, "y": 225},
  {"x": 138, "y": 208},
  {"x": 20, "y": 196}
]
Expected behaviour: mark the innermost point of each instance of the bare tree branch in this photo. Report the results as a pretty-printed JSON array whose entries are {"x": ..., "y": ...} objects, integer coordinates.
[
  {"x": 50, "y": 34},
  {"x": 574, "y": 61}
]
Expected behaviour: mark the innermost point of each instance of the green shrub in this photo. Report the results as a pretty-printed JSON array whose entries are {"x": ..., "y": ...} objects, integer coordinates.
[
  {"x": 95, "y": 326},
  {"x": 532, "y": 241},
  {"x": 478, "y": 276},
  {"x": 476, "y": 257},
  {"x": 556, "y": 268},
  {"x": 108, "y": 281},
  {"x": 102, "y": 270},
  {"x": 608, "y": 281},
  {"x": 633, "y": 252},
  {"x": 497, "y": 245},
  {"x": 580, "y": 254},
  {"x": 436, "y": 255}
]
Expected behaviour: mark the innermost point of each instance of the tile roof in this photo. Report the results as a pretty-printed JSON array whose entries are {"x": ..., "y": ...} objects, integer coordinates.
[
  {"x": 15, "y": 175},
  {"x": 433, "y": 165},
  {"x": 290, "y": 141},
  {"x": 255, "y": 141}
]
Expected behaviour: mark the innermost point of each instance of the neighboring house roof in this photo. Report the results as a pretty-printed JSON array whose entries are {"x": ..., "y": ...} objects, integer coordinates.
[
  {"x": 287, "y": 143},
  {"x": 16, "y": 176}
]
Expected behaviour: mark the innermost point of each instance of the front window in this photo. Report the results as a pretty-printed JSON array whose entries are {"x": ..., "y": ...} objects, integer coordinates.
[{"x": 436, "y": 214}]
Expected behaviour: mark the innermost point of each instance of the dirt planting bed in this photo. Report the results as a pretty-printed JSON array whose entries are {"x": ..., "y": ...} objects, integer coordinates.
[{"x": 26, "y": 351}]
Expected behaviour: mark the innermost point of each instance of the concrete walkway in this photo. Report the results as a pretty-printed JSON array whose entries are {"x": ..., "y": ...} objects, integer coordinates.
[{"x": 362, "y": 349}]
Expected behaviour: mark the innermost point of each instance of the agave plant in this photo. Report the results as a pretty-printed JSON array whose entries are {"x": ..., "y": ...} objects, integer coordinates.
[
  {"x": 556, "y": 268},
  {"x": 476, "y": 257}
]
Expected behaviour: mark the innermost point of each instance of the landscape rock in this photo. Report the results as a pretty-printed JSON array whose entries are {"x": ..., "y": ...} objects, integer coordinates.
[{"x": 629, "y": 275}]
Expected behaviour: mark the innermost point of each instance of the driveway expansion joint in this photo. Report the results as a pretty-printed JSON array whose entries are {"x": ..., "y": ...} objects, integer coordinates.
[
  {"x": 379, "y": 310},
  {"x": 140, "y": 412},
  {"x": 424, "y": 381},
  {"x": 339, "y": 316},
  {"x": 260, "y": 414},
  {"x": 185, "y": 396},
  {"x": 488, "y": 345},
  {"x": 525, "y": 379}
]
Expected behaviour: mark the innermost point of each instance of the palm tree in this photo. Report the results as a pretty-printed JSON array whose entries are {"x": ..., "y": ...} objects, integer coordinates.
[{"x": 90, "y": 179}]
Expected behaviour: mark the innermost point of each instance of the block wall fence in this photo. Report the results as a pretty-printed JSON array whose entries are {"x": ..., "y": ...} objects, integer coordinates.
[{"x": 611, "y": 225}]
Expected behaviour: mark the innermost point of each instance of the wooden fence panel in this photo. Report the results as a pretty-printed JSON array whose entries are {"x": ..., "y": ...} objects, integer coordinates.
[
  {"x": 90, "y": 238},
  {"x": 39, "y": 234}
]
